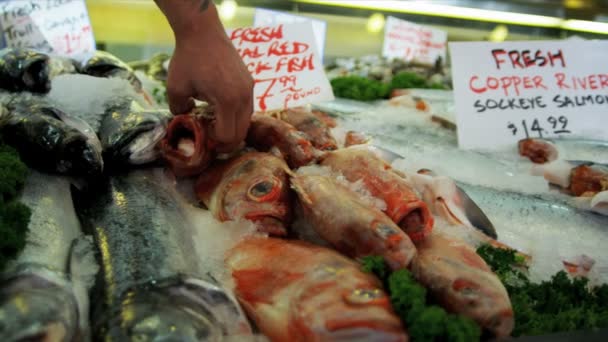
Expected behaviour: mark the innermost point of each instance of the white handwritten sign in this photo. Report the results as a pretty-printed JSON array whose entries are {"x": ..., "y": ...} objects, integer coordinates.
[
  {"x": 60, "y": 27},
  {"x": 413, "y": 42},
  {"x": 265, "y": 17},
  {"x": 285, "y": 65},
  {"x": 505, "y": 92}
]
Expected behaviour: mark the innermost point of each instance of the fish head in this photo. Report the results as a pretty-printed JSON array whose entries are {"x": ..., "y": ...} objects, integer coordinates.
[
  {"x": 30, "y": 70},
  {"x": 136, "y": 137},
  {"x": 187, "y": 147},
  {"x": 462, "y": 282},
  {"x": 340, "y": 303},
  {"x": 190, "y": 311},
  {"x": 253, "y": 186},
  {"x": 34, "y": 309},
  {"x": 80, "y": 157}
]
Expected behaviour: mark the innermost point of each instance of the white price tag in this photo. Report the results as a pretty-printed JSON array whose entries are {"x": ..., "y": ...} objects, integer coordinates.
[
  {"x": 60, "y": 27},
  {"x": 285, "y": 65},
  {"x": 413, "y": 42},
  {"x": 264, "y": 17},
  {"x": 505, "y": 92}
]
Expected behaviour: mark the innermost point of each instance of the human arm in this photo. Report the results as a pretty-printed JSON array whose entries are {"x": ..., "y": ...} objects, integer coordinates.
[{"x": 206, "y": 66}]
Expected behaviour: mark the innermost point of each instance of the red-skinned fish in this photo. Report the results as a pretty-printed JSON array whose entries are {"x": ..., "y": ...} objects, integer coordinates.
[{"x": 295, "y": 291}]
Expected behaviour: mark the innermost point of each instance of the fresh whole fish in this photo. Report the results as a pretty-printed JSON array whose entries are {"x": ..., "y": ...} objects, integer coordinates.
[
  {"x": 253, "y": 186},
  {"x": 187, "y": 147},
  {"x": 547, "y": 228},
  {"x": 315, "y": 129},
  {"x": 24, "y": 69},
  {"x": 51, "y": 140},
  {"x": 339, "y": 217},
  {"x": 403, "y": 205},
  {"x": 43, "y": 293},
  {"x": 266, "y": 133},
  {"x": 463, "y": 283},
  {"x": 295, "y": 291},
  {"x": 130, "y": 134},
  {"x": 151, "y": 287},
  {"x": 104, "y": 64},
  {"x": 326, "y": 118}
]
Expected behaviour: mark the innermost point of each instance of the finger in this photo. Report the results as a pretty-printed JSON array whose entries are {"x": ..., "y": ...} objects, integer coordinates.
[
  {"x": 180, "y": 100},
  {"x": 243, "y": 120},
  {"x": 223, "y": 130},
  {"x": 228, "y": 148}
]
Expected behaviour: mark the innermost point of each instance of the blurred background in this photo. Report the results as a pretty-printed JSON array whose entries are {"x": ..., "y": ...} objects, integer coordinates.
[{"x": 136, "y": 29}]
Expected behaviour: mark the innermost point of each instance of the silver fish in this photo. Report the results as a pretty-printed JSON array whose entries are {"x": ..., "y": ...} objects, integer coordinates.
[
  {"x": 129, "y": 133},
  {"x": 151, "y": 287},
  {"x": 543, "y": 224},
  {"x": 43, "y": 293}
]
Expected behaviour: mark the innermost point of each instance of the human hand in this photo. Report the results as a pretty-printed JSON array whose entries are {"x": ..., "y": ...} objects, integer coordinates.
[{"x": 206, "y": 66}]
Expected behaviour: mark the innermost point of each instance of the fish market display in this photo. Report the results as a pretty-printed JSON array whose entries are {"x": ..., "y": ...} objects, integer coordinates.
[
  {"x": 151, "y": 286},
  {"x": 187, "y": 147},
  {"x": 130, "y": 134},
  {"x": 253, "y": 186},
  {"x": 295, "y": 291},
  {"x": 51, "y": 140},
  {"x": 336, "y": 212},
  {"x": 463, "y": 283},
  {"x": 403, "y": 205},
  {"x": 267, "y": 134},
  {"x": 315, "y": 128},
  {"x": 43, "y": 293}
]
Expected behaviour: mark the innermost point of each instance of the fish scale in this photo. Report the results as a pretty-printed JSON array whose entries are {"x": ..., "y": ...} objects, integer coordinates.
[{"x": 151, "y": 285}]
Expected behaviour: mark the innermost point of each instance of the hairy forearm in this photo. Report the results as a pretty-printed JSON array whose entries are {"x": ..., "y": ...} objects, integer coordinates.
[{"x": 190, "y": 17}]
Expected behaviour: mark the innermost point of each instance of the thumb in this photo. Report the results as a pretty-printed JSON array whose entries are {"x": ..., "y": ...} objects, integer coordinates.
[{"x": 180, "y": 100}]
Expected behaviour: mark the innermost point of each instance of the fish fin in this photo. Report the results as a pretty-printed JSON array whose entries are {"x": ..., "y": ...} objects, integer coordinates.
[
  {"x": 208, "y": 181},
  {"x": 83, "y": 269}
]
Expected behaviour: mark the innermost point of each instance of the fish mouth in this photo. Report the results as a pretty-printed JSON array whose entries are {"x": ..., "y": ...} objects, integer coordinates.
[
  {"x": 416, "y": 221},
  {"x": 36, "y": 75},
  {"x": 143, "y": 148},
  {"x": 35, "y": 309}
]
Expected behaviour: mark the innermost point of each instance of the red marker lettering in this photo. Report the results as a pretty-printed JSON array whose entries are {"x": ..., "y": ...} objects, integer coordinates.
[
  {"x": 475, "y": 89},
  {"x": 561, "y": 77},
  {"x": 496, "y": 53}
]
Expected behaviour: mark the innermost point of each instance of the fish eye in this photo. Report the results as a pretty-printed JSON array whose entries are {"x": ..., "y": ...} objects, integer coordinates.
[{"x": 264, "y": 190}]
